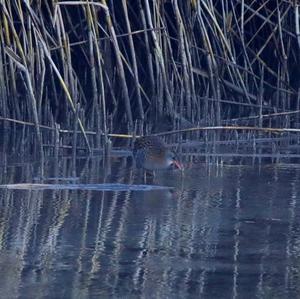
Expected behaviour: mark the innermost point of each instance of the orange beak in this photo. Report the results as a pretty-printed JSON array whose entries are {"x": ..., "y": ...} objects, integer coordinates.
[{"x": 178, "y": 165}]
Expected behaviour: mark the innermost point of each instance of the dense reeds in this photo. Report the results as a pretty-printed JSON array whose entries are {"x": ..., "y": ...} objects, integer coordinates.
[{"x": 112, "y": 67}]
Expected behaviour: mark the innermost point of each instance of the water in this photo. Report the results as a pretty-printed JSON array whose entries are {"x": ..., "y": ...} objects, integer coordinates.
[{"x": 219, "y": 232}]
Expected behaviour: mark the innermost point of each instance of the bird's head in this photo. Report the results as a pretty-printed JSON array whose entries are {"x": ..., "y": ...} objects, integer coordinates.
[{"x": 173, "y": 160}]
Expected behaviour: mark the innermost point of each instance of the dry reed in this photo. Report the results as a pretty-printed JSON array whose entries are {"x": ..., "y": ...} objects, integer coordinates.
[{"x": 189, "y": 62}]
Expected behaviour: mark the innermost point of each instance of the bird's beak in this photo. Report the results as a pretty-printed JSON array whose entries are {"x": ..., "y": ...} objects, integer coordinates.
[{"x": 178, "y": 165}]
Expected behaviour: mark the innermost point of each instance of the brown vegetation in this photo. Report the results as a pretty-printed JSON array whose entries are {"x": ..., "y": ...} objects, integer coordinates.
[{"x": 114, "y": 66}]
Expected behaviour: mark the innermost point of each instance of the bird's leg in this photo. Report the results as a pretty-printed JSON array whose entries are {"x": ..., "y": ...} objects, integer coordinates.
[{"x": 149, "y": 174}]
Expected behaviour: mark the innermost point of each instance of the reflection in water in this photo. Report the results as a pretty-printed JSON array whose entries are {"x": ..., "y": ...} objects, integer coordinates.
[{"x": 228, "y": 232}]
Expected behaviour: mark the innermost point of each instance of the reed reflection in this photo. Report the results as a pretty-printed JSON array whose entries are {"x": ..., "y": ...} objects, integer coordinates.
[{"x": 220, "y": 231}]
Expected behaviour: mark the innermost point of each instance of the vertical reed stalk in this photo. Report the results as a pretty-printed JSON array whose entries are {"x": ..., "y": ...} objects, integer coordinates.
[
  {"x": 74, "y": 148},
  {"x": 183, "y": 56},
  {"x": 134, "y": 61},
  {"x": 160, "y": 58},
  {"x": 119, "y": 64},
  {"x": 28, "y": 81},
  {"x": 48, "y": 55},
  {"x": 148, "y": 52}
]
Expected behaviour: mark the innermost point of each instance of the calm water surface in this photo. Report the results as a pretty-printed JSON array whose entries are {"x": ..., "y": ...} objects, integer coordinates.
[{"x": 227, "y": 232}]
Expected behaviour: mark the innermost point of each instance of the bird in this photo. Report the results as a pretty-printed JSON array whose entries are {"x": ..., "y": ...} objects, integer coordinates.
[{"x": 151, "y": 153}]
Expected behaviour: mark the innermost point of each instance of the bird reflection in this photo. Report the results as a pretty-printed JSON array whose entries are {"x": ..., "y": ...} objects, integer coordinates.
[{"x": 207, "y": 225}]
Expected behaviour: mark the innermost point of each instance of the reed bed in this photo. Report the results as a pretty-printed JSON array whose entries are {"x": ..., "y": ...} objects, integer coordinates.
[{"x": 139, "y": 67}]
